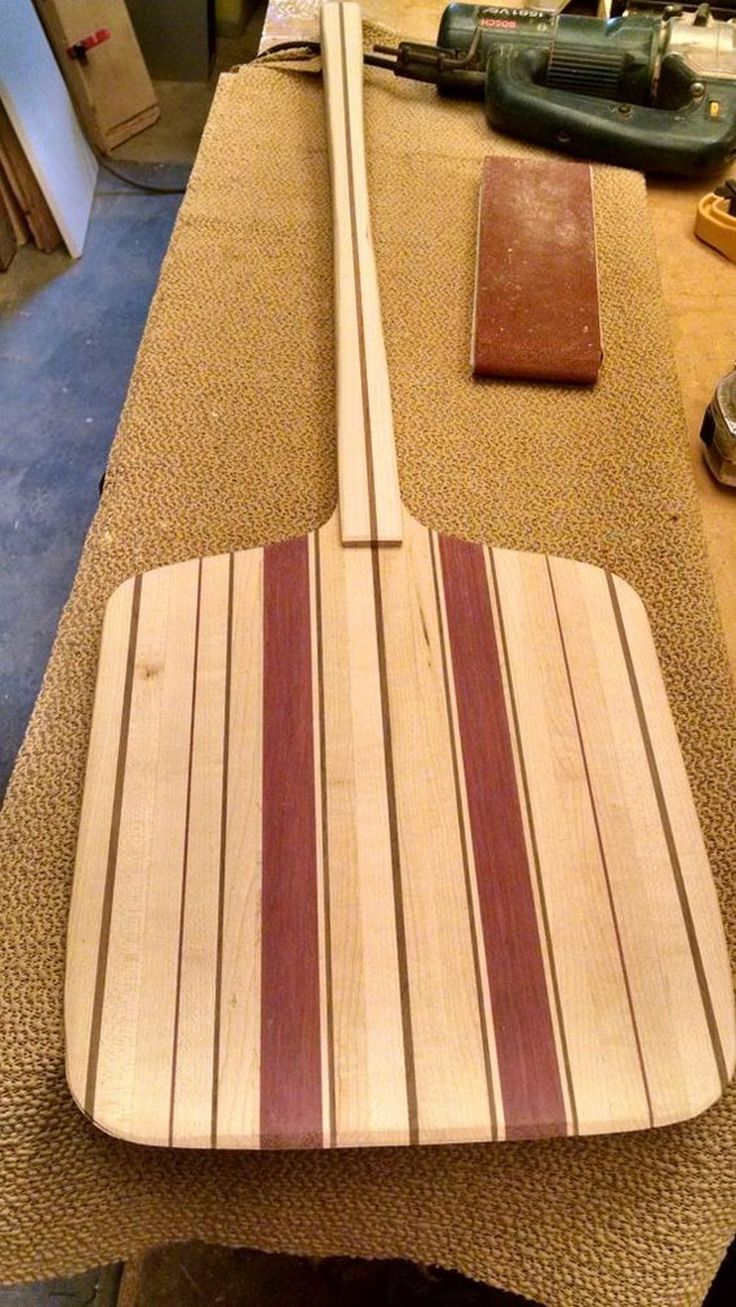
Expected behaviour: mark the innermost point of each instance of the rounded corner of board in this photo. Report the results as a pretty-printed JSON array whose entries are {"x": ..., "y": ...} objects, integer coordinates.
[
  {"x": 76, "y": 1084},
  {"x": 121, "y": 595},
  {"x": 111, "y": 1128},
  {"x": 710, "y": 1096},
  {"x": 627, "y": 594},
  {"x": 76, "y": 1090}
]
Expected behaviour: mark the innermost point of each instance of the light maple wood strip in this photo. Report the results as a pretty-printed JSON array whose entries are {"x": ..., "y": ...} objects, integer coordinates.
[
  {"x": 451, "y": 1085},
  {"x": 547, "y": 956},
  {"x": 690, "y": 864},
  {"x": 122, "y": 959},
  {"x": 324, "y": 946},
  {"x": 676, "y": 1050},
  {"x": 370, "y": 506},
  {"x": 238, "y": 1092},
  {"x": 93, "y": 846},
  {"x": 176, "y": 605},
  {"x": 607, "y": 1081},
  {"x": 197, "y": 980},
  {"x": 370, "y": 1092}
]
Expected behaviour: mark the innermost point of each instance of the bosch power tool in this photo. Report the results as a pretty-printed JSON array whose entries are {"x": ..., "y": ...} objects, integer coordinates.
[{"x": 649, "y": 90}]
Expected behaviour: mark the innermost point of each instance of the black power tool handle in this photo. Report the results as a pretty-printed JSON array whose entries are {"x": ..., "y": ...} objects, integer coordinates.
[{"x": 694, "y": 139}]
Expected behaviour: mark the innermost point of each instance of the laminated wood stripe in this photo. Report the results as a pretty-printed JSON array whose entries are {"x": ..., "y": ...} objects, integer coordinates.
[
  {"x": 291, "y": 1093},
  {"x": 528, "y": 1068},
  {"x": 677, "y": 871},
  {"x": 236, "y": 1103},
  {"x": 109, "y": 881},
  {"x": 394, "y": 846}
]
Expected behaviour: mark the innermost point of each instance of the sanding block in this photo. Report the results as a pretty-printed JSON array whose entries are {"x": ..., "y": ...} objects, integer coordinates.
[{"x": 536, "y": 313}]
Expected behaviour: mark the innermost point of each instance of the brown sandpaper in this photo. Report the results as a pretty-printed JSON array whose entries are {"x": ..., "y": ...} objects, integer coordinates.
[
  {"x": 227, "y": 441},
  {"x": 535, "y": 310}
]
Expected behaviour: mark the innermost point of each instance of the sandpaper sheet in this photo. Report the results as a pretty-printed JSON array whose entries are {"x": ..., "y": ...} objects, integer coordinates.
[{"x": 536, "y": 290}]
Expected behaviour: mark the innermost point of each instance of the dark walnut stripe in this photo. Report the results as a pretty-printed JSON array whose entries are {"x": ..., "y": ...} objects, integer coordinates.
[
  {"x": 669, "y": 835},
  {"x": 112, "y": 857},
  {"x": 412, "y": 1107},
  {"x": 541, "y": 894},
  {"x": 602, "y": 853},
  {"x": 291, "y": 1082},
  {"x": 524, "y": 1036},
  {"x": 370, "y": 478}
]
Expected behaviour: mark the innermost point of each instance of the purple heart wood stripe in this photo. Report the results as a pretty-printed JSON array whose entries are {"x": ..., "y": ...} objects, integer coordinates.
[{"x": 402, "y": 911}]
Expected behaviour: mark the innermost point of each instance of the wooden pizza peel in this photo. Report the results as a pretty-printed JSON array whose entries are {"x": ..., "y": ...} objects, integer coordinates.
[{"x": 386, "y": 837}]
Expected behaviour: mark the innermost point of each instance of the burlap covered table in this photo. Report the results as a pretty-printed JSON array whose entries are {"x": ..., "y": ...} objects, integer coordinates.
[{"x": 227, "y": 441}]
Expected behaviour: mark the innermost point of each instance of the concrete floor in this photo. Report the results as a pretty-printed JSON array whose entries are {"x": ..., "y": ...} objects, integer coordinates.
[
  {"x": 57, "y": 419},
  {"x": 69, "y": 333},
  {"x": 63, "y": 389}
]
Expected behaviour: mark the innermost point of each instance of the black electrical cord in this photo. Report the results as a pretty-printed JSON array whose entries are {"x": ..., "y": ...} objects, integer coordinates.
[
  {"x": 139, "y": 186},
  {"x": 314, "y": 47}
]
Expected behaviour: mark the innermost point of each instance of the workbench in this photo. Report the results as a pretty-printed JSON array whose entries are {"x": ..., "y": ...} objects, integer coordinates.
[{"x": 227, "y": 441}]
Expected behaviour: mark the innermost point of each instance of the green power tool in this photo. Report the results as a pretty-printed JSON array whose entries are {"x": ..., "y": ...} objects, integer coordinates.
[{"x": 655, "y": 92}]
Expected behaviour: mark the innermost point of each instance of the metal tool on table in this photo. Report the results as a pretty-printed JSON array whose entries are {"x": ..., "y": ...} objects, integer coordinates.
[
  {"x": 718, "y": 431},
  {"x": 644, "y": 90}
]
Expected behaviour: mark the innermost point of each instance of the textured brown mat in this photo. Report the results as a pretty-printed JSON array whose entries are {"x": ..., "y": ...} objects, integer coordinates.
[{"x": 227, "y": 441}]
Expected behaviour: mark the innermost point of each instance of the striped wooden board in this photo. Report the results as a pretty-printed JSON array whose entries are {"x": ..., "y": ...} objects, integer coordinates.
[
  {"x": 388, "y": 846},
  {"x": 386, "y": 843}
]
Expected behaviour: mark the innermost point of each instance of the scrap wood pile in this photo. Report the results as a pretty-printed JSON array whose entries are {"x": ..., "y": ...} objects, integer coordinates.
[{"x": 24, "y": 214}]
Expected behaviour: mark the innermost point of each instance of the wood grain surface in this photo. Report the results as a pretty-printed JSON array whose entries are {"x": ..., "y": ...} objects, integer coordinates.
[
  {"x": 387, "y": 844},
  {"x": 370, "y": 503}
]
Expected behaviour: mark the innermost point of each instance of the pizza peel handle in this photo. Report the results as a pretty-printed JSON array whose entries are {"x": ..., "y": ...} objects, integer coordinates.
[
  {"x": 370, "y": 506},
  {"x": 386, "y": 844}
]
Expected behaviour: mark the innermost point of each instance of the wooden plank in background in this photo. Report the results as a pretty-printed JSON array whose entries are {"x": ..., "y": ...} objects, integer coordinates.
[
  {"x": 29, "y": 197},
  {"x": 8, "y": 240},
  {"x": 14, "y": 211},
  {"x": 112, "y": 90},
  {"x": 35, "y": 98}
]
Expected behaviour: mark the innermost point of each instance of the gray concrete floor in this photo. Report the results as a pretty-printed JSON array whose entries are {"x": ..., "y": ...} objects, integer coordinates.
[
  {"x": 69, "y": 332},
  {"x": 99, "y": 1287}
]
